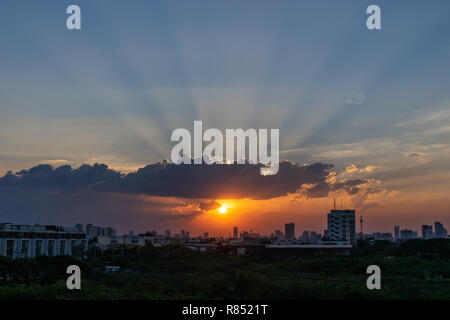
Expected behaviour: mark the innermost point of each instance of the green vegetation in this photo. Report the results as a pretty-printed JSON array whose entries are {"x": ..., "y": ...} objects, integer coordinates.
[{"x": 415, "y": 269}]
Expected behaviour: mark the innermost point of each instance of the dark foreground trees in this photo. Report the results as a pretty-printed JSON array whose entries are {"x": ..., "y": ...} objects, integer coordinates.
[{"x": 411, "y": 270}]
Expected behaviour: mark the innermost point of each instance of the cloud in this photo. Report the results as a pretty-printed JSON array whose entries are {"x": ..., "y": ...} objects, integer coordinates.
[
  {"x": 207, "y": 206},
  {"x": 356, "y": 99},
  {"x": 415, "y": 159},
  {"x": 167, "y": 179},
  {"x": 352, "y": 168},
  {"x": 161, "y": 193}
]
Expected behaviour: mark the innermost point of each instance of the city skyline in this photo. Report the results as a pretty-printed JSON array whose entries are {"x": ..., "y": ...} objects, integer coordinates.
[{"x": 437, "y": 230}]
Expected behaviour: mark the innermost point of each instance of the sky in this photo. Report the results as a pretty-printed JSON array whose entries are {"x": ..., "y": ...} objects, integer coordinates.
[{"x": 374, "y": 104}]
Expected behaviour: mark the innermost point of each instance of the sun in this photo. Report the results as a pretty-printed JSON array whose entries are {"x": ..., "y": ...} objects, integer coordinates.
[{"x": 223, "y": 209}]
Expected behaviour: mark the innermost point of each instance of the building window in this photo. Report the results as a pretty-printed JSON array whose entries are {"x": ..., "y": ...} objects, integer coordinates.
[
  {"x": 51, "y": 248},
  {"x": 10, "y": 248},
  {"x": 38, "y": 248},
  {"x": 62, "y": 247},
  {"x": 25, "y": 246}
]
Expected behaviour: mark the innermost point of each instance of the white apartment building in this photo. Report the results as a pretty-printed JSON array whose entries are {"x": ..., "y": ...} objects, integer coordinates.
[
  {"x": 29, "y": 241},
  {"x": 341, "y": 225},
  {"x": 121, "y": 240}
]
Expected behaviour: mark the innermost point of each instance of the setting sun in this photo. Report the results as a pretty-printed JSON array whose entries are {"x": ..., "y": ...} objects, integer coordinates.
[{"x": 223, "y": 209}]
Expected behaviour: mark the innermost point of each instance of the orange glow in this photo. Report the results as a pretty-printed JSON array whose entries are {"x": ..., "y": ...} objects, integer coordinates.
[{"x": 223, "y": 209}]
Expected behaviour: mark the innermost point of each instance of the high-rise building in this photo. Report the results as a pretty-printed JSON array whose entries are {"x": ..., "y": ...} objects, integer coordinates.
[
  {"x": 168, "y": 234},
  {"x": 427, "y": 232},
  {"x": 289, "y": 231},
  {"x": 439, "y": 230},
  {"x": 408, "y": 234},
  {"x": 235, "y": 233},
  {"x": 396, "y": 232},
  {"x": 341, "y": 225},
  {"x": 205, "y": 235}
]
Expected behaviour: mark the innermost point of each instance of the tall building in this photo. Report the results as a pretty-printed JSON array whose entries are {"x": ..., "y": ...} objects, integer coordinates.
[
  {"x": 439, "y": 230},
  {"x": 205, "y": 235},
  {"x": 341, "y": 225},
  {"x": 427, "y": 232},
  {"x": 408, "y": 234},
  {"x": 235, "y": 233},
  {"x": 289, "y": 231},
  {"x": 168, "y": 234},
  {"x": 396, "y": 232}
]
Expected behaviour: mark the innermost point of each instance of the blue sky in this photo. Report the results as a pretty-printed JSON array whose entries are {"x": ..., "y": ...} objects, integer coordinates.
[
  {"x": 339, "y": 93},
  {"x": 136, "y": 71}
]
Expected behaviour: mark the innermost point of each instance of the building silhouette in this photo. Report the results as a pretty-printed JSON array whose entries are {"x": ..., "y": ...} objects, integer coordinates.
[
  {"x": 289, "y": 231},
  {"x": 427, "y": 232},
  {"x": 235, "y": 233},
  {"x": 397, "y": 232},
  {"x": 439, "y": 230},
  {"x": 341, "y": 225},
  {"x": 408, "y": 234}
]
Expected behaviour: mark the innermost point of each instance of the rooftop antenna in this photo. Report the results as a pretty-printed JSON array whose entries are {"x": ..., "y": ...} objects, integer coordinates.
[
  {"x": 361, "y": 223},
  {"x": 335, "y": 201}
]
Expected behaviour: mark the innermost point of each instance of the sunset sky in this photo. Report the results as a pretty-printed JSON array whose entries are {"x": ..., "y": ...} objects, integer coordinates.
[{"x": 373, "y": 104}]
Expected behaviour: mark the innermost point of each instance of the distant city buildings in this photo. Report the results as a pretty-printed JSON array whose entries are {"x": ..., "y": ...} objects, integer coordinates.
[
  {"x": 427, "y": 232},
  {"x": 184, "y": 234},
  {"x": 79, "y": 227},
  {"x": 96, "y": 231},
  {"x": 279, "y": 235},
  {"x": 122, "y": 240},
  {"x": 310, "y": 237},
  {"x": 341, "y": 226},
  {"x": 249, "y": 235},
  {"x": 397, "y": 233},
  {"x": 408, "y": 234},
  {"x": 386, "y": 236},
  {"x": 27, "y": 241},
  {"x": 235, "y": 233}
]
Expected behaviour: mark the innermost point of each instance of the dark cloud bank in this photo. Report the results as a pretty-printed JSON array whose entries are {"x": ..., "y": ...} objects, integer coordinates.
[
  {"x": 97, "y": 194},
  {"x": 188, "y": 181}
]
